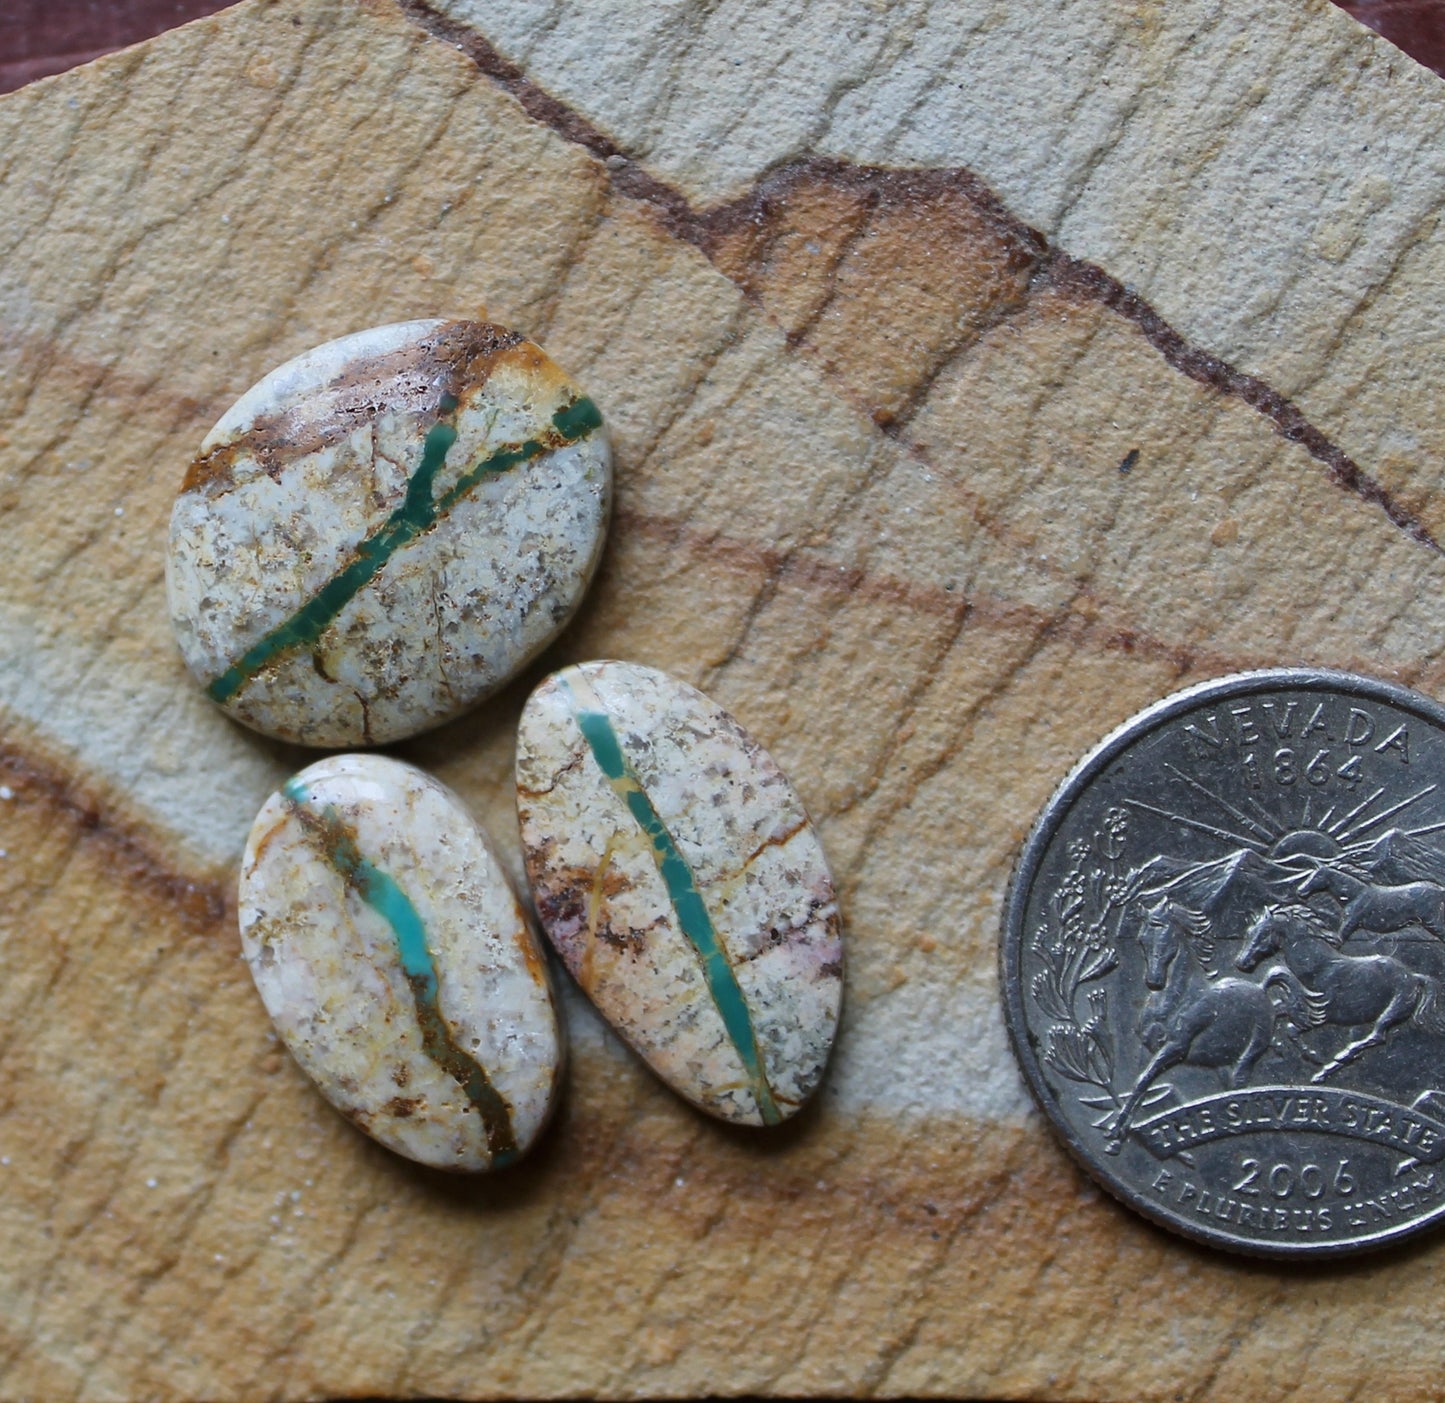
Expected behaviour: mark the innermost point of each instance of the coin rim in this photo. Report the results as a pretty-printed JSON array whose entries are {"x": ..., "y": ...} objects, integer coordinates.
[{"x": 1051, "y": 818}]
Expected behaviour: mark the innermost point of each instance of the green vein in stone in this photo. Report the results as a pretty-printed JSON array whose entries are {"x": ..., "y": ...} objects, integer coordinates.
[
  {"x": 687, "y": 902},
  {"x": 419, "y": 511},
  {"x": 380, "y": 891}
]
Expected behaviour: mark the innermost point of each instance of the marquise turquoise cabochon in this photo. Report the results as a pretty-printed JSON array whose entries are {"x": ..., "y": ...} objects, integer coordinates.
[{"x": 384, "y": 530}]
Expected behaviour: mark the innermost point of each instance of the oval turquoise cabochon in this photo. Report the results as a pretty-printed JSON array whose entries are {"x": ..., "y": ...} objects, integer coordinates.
[
  {"x": 384, "y": 530},
  {"x": 678, "y": 876},
  {"x": 397, "y": 965}
]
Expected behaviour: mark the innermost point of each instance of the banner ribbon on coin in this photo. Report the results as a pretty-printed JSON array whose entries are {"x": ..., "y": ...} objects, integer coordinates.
[{"x": 1322, "y": 1110}]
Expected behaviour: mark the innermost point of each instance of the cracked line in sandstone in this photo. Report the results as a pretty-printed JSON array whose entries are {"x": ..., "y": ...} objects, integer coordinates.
[
  {"x": 318, "y": 1286},
  {"x": 137, "y": 174},
  {"x": 112, "y": 1345},
  {"x": 1085, "y": 281},
  {"x": 572, "y": 1223},
  {"x": 806, "y": 569}
]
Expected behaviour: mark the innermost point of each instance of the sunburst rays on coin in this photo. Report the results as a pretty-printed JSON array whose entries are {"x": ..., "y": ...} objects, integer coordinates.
[{"x": 1330, "y": 837}]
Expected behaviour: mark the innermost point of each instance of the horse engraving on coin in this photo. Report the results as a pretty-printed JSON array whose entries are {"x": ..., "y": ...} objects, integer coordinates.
[{"x": 1224, "y": 962}]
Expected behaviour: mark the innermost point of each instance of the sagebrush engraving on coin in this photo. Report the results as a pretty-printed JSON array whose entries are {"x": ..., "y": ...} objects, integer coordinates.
[{"x": 1224, "y": 962}]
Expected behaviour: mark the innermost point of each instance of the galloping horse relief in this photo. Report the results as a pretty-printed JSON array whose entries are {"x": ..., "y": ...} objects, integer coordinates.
[
  {"x": 1258, "y": 967},
  {"x": 1372, "y": 906},
  {"x": 1188, "y": 1016},
  {"x": 1349, "y": 991}
]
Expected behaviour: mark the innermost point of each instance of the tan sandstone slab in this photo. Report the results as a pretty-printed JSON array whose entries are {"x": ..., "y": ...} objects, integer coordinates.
[{"x": 973, "y": 380}]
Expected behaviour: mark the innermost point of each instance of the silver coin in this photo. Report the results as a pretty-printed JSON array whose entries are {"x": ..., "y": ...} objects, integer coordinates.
[{"x": 1224, "y": 962}]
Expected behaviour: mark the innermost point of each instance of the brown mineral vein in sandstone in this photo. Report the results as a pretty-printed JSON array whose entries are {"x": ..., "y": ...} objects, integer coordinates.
[
  {"x": 204, "y": 902},
  {"x": 914, "y": 265}
]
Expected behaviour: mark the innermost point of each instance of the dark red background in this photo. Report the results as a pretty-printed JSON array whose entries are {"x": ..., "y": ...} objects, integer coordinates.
[
  {"x": 46, "y": 36},
  {"x": 1417, "y": 26}
]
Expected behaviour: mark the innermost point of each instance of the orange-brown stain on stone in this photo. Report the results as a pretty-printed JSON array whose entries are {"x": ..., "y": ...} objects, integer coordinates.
[
  {"x": 532, "y": 956},
  {"x": 579, "y": 898},
  {"x": 882, "y": 275},
  {"x": 260, "y": 844},
  {"x": 455, "y": 360}
]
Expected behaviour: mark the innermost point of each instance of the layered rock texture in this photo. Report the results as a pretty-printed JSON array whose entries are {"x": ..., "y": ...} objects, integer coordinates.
[{"x": 974, "y": 377}]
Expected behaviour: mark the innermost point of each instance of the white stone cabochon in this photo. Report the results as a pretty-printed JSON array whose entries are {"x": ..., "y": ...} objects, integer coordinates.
[
  {"x": 456, "y": 610},
  {"x": 327, "y": 968},
  {"x": 756, "y": 860}
]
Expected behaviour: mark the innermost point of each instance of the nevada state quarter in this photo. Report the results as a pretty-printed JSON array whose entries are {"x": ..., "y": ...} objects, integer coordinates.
[{"x": 1224, "y": 962}]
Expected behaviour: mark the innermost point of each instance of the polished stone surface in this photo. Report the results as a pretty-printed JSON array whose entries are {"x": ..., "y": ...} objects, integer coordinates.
[
  {"x": 678, "y": 876},
  {"x": 384, "y": 530},
  {"x": 397, "y": 965}
]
